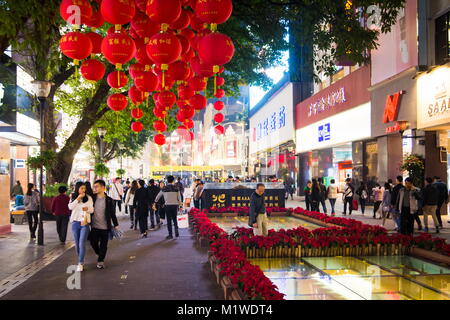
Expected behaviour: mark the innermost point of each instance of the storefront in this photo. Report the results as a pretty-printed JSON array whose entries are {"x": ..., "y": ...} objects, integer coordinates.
[
  {"x": 272, "y": 134},
  {"x": 433, "y": 117},
  {"x": 334, "y": 131}
]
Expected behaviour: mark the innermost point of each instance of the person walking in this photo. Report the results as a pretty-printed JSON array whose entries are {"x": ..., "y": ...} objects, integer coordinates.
[
  {"x": 386, "y": 206},
  {"x": 443, "y": 198},
  {"x": 172, "y": 200},
  {"x": 307, "y": 191},
  {"x": 125, "y": 192},
  {"x": 332, "y": 195},
  {"x": 17, "y": 190},
  {"x": 31, "y": 202},
  {"x": 363, "y": 194},
  {"x": 153, "y": 191},
  {"x": 408, "y": 205},
  {"x": 323, "y": 195},
  {"x": 129, "y": 199},
  {"x": 141, "y": 203},
  {"x": 315, "y": 196},
  {"x": 180, "y": 187},
  {"x": 377, "y": 194},
  {"x": 257, "y": 214},
  {"x": 289, "y": 186},
  {"x": 198, "y": 195},
  {"x": 103, "y": 220},
  {"x": 117, "y": 193},
  {"x": 160, "y": 205},
  {"x": 430, "y": 195},
  {"x": 394, "y": 196},
  {"x": 349, "y": 192},
  {"x": 60, "y": 209},
  {"x": 89, "y": 190},
  {"x": 82, "y": 206}
]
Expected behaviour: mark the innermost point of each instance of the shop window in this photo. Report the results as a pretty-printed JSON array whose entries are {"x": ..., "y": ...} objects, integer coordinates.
[
  {"x": 340, "y": 73},
  {"x": 442, "y": 39}
]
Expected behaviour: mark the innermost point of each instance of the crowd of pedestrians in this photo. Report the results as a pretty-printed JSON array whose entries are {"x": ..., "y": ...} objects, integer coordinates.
[{"x": 401, "y": 201}]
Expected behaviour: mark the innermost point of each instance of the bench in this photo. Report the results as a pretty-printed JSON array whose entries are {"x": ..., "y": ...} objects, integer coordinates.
[{"x": 18, "y": 216}]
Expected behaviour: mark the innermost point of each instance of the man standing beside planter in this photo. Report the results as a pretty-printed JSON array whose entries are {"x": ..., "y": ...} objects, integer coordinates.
[
  {"x": 408, "y": 206},
  {"x": 257, "y": 215},
  {"x": 60, "y": 209}
]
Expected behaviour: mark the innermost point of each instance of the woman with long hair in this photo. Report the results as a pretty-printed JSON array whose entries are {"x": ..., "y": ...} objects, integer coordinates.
[
  {"x": 129, "y": 204},
  {"x": 82, "y": 206},
  {"x": 89, "y": 190},
  {"x": 31, "y": 203},
  {"x": 160, "y": 205},
  {"x": 315, "y": 196}
]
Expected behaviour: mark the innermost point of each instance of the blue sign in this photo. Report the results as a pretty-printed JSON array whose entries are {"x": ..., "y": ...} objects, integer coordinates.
[
  {"x": 325, "y": 133},
  {"x": 273, "y": 123}
]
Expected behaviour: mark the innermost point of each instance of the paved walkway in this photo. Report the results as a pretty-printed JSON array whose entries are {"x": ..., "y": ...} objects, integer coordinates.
[
  {"x": 152, "y": 268},
  {"x": 368, "y": 217}
]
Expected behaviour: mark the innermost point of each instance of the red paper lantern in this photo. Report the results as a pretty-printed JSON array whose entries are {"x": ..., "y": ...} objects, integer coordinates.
[
  {"x": 118, "y": 12},
  {"x": 179, "y": 71},
  {"x": 219, "y": 117},
  {"x": 164, "y": 48},
  {"x": 182, "y": 104},
  {"x": 219, "y": 105},
  {"x": 164, "y": 11},
  {"x": 216, "y": 49},
  {"x": 159, "y": 112},
  {"x": 144, "y": 27},
  {"x": 141, "y": 53},
  {"x": 117, "y": 102},
  {"x": 136, "y": 69},
  {"x": 136, "y": 95},
  {"x": 118, "y": 49},
  {"x": 146, "y": 81},
  {"x": 160, "y": 139},
  {"x": 159, "y": 126},
  {"x": 220, "y": 81},
  {"x": 188, "y": 136},
  {"x": 96, "y": 40},
  {"x": 214, "y": 11},
  {"x": 141, "y": 5},
  {"x": 197, "y": 24},
  {"x": 202, "y": 69},
  {"x": 219, "y": 130},
  {"x": 198, "y": 102},
  {"x": 95, "y": 21},
  {"x": 185, "y": 44},
  {"x": 184, "y": 92},
  {"x": 137, "y": 113},
  {"x": 76, "y": 46},
  {"x": 168, "y": 82},
  {"x": 183, "y": 21},
  {"x": 187, "y": 33},
  {"x": 137, "y": 126},
  {"x": 187, "y": 113},
  {"x": 117, "y": 79},
  {"x": 200, "y": 35},
  {"x": 69, "y": 15},
  {"x": 92, "y": 70},
  {"x": 197, "y": 83},
  {"x": 220, "y": 93},
  {"x": 189, "y": 123},
  {"x": 155, "y": 97},
  {"x": 167, "y": 98},
  {"x": 181, "y": 130},
  {"x": 188, "y": 56}
]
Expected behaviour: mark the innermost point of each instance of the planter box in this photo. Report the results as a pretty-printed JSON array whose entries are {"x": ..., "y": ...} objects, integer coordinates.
[
  {"x": 231, "y": 214},
  {"x": 237, "y": 294},
  {"x": 315, "y": 221},
  {"x": 227, "y": 287},
  {"x": 430, "y": 255}
]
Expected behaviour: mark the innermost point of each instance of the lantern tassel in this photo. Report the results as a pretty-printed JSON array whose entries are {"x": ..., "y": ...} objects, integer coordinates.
[{"x": 215, "y": 84}]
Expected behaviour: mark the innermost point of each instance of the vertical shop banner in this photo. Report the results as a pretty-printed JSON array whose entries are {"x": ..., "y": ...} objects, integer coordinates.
[
  {"x": 398, "y": 50},
  {"x": 231, "y": 149}
]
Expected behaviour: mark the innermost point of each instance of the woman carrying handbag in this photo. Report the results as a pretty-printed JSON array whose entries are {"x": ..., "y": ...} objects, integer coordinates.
[{"x": 82, "y": 207}]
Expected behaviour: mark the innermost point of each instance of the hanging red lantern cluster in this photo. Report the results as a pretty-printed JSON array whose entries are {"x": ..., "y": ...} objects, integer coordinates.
[{"x": 173, "y": 46}]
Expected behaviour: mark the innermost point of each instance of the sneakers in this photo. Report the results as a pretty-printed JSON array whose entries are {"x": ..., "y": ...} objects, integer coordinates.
[
  {"x": 101, "y": 265},
  {"x": 131, "y": 227},
  {"x": 80, "y": 268},
  {"x": 144, "y": 235},
  {"x": 169, "y": 237},
  {"x": 177, "y": 235}
]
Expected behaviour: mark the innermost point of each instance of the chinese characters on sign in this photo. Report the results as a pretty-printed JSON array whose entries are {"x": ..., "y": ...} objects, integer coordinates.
[
  {"x": 326, "y": 103},
  {"x": 325, "y": 132},
  {"x": 274, "y": 122}
]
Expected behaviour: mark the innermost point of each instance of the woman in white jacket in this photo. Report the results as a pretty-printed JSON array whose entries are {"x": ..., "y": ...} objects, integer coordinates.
[{"x": 82, "y": 207}]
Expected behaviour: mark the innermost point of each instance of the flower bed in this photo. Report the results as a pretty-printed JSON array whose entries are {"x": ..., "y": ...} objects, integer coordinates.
[{"x": 243, "y": 211}]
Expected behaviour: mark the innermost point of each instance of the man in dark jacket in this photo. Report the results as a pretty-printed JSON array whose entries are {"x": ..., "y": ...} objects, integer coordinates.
[
  {"x": 102, "y": 221},
  {"x": 141, "y": 205},
  {"x": 257, "y": 215},
  {"x": 172, "y": 199},
  {"x": 443, "y": 198},
  {"x": 323, "y": 195},
  {"x": 180, "y": 187},
  {"x": 430, "y": 196},
  {"x": 153, "y": 191}
]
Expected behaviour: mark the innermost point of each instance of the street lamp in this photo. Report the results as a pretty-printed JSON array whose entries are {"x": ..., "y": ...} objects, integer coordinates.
[{"x": 42, "y": 91}]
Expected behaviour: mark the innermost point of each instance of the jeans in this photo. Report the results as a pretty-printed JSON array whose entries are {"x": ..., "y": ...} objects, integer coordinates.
[
  {"x": 118, "y": 203},
  {"x": 197, "y": 204},
  {"x": 362, "y": 202},
  {"x": 406, "y": 221},
  {"x": 308, "y": 203},
  {"x": 33, "y": 222},
  {"x": 80, "y": 234},
  {"x": 324, "y": 206},
  {"x": 62, "y": 222},
  {"x": 315, "y": 206},
  {"x": 348, "y": 201},
  {"x": 143, "y": 223},
  {"x": 154, "y": 213},
  {"x": 133, "y": 217},
  {"x": 333, "y": 203},
  {"x": 171, "y": 214},
  {"x": 99, "y": 242}
]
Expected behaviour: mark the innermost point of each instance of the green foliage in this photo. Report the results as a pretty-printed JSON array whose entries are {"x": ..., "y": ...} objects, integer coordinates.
[
  {"x": 120, "y": 172},
  {"x": 415, "y": 165},
  {"x": 101, "y": 170},
  {"x": 52, "y": 190},
  {"x": 44, "y": 160}
]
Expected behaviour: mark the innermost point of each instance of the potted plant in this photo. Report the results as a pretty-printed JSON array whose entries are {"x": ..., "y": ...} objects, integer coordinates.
[
  {"x": 415, "y": 165},
  {"x": 120, "y": 172},
  {"x": 42, "y": 160},
  {"x": 101, "y": 170}
]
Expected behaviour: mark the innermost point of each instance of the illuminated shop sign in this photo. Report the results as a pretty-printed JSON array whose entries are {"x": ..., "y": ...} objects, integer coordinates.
[
  {"x": 271, "y": 124},
  {"x": 391, "y": 110},
  {"x": 326, "y": 103},
  {"x": 325, "y": 132}
]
